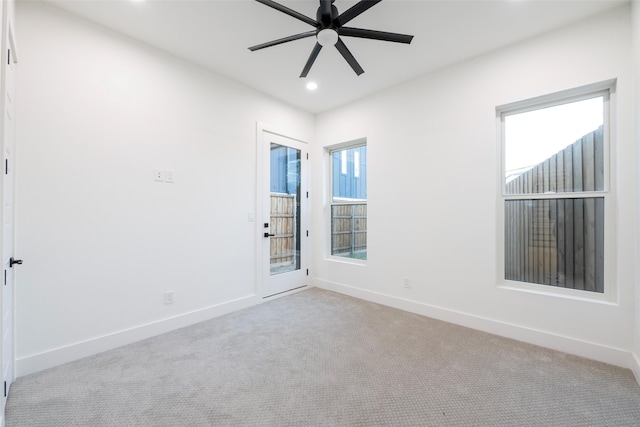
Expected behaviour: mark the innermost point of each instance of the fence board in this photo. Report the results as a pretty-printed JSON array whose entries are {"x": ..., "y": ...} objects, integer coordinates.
[
  {"x": 578, "y": 243},
  {"x": 599, "y": 244},
  {"x": 348, "y": 229},
  {"x": 599, "y": 159},
  {"x": 559, "y": 242},
  {"x": 559, "y": 160},
  {"x": 561, "y": 233},
  {"x": 553, "y": 173},
  {"x": 588, "y": 162},
  {"x": 569, "y": 243},
  {"x": 282, "y": 216},
  {"x": 568, "y": 169},
  {"x": 576, "y": 167},
  {"x": 552, "y": 246},
  {"x": 589, "y": 245},
  {"x": 544, "y": 239}
]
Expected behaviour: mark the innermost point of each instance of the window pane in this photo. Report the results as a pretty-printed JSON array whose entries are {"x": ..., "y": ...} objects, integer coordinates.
[
  {"x": 349, "y": 230},
  {"x": 343, "y": 161},
  {"x": 285, "y": 208},
  {"x": 349, "y": 169},
  {"x": 556, "y": 149},
  {"x": 557, "y": 242}
]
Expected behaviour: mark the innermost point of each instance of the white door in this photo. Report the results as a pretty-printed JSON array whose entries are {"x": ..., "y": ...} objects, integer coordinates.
[
  {"x": 8, "y": 262},
  {"x": 283, "y": 227}
]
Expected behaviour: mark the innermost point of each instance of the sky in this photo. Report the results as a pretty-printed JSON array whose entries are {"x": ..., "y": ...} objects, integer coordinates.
[{"x": 534, "y": 136}]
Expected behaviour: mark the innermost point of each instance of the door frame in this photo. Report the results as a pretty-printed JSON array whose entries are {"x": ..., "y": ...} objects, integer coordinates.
[
  {"x": 8, "y": 44},
  {"x": 261, "y": 213}
]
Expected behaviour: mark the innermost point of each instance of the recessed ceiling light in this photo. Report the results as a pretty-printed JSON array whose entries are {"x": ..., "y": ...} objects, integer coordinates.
[{"x": 312, "y": 85}]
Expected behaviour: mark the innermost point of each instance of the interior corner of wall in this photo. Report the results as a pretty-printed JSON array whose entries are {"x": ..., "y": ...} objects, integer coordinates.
[{"x": 635, "y": 366}]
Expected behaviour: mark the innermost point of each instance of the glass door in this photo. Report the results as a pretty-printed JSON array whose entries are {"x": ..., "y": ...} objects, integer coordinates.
[{"x": 284, "y": 210}]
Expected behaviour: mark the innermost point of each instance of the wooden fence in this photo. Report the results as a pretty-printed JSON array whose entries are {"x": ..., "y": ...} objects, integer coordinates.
[
  {"x": 283, "y": 226},
  {"x": 349, "y": 229},
  {"x": 559, "y": 241}
]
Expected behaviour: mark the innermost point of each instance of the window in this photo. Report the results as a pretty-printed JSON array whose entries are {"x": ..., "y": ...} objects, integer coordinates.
[
  {"x": 555, "y": 188},
  {"x": 349, "y": 201}
]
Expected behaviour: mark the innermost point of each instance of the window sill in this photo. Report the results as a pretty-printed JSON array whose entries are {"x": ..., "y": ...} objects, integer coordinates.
[
  {"x": 345, "y": 260},
  {"x": 557, "y": 292}
]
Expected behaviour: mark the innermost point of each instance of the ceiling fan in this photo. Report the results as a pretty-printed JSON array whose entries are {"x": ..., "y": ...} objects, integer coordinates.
[{"x": 329, "y": 27}]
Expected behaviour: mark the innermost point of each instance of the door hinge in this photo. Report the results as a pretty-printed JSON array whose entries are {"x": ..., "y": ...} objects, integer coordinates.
[
  {"x": 307, "y": 233},
  {"x": 8, "y": 56},
  {"x": 307, "y": 156},
  {"x": 5, "y": 389},
  {"x": 307, "y": 194},
  {"x": 307, "y": 271},
  {"x": 6, "y": 166},
  {"x": 5, "y": 277}
]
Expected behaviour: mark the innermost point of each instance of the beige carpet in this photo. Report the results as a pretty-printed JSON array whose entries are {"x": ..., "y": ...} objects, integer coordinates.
[{"x": 317, "y": 358}]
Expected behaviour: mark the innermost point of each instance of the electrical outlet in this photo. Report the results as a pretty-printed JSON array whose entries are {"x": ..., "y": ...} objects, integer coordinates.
[
  {"x": 406, "y": 282},
  {"x": 158, "y": 175},
  {"x": 168, "y": 297},
  {"x": 162, "y": 175}
]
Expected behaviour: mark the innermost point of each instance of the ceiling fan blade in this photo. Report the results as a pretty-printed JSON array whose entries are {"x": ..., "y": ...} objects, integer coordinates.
[
  {"x": 325, "y": 12},
  {"x": 290, "y": 12},
  {"x": 283, "y": 40},
  {"x": 342, "y": 48},
  {"x": 311, "y": 60},
  {"x": 356, "y": 10},
  {"x": 375, "y": 35}
]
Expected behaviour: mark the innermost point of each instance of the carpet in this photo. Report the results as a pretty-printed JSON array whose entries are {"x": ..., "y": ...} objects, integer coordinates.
[{"x": 318, "y": 358}]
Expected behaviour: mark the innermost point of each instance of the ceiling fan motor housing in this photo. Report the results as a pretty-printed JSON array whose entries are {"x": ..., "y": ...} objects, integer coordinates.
[
  {"x": 328, "y": 20},
  {"x": 329, "y": 29}
]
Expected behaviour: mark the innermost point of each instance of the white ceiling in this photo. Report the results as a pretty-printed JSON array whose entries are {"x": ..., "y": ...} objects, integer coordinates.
[{"x": 216, "y": 34}]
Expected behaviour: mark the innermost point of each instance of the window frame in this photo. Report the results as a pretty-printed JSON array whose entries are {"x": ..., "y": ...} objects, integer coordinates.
[
  {"x": 607, "y": 89},
  {"x": 337, "y": 201}
]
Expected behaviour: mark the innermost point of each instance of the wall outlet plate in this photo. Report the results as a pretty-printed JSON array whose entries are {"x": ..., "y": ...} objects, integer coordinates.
[{"x": 168, "y": 297}]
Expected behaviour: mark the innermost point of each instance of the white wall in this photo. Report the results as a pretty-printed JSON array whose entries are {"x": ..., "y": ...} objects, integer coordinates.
[
  {"x": 636, "y": 111},
  {"x": 432, "y": 187},
  {"x": 101, "y": 241}
]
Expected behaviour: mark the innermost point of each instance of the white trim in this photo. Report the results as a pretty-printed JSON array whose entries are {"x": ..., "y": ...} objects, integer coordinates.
[
  {"x": 346, "y": 260},
  {"x": 329, "y": 201},
  {"x": 260, "y": 129},
  {"x": 635, "y": 367},
  {"x": 558, "y": 292},
  {"x": 348, "y": 201},
  {"x": 607, "y": 89},
  {"x": 302, "y": 288},
  {"x": 261, "y": 162},
  {"x": 354, "y": 143},
  {"x": 12, "y": 42},
  {"x": 37, "y": 362},
  {"x": 556, "y": 98},
  {"x": 589, "y": 350}
]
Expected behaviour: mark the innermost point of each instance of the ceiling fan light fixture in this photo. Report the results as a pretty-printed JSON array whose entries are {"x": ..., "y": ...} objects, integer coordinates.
[
  {"x": 329, "y": 29},
  {"x": 327, "y": 37}
]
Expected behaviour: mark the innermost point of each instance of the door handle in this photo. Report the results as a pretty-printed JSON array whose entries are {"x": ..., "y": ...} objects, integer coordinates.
[
  {"x": 268, "y": 235},
  {"x": 14, "y": 261}
]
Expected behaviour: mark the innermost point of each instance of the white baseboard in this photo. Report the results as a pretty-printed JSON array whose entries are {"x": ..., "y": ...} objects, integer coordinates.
[
  {"x": 610, "y": 355},
  {"x": 635, "y": 366},
  {"x": 37, "y": 362}
]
